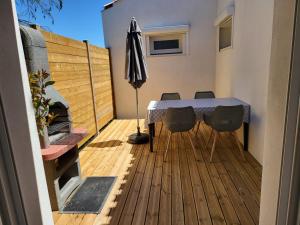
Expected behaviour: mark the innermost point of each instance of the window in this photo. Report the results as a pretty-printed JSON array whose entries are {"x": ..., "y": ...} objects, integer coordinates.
[
  {"x": 166, "y": 44},
  {"x": 167, "y": 40},
  {"x": 225, "y": 33}
]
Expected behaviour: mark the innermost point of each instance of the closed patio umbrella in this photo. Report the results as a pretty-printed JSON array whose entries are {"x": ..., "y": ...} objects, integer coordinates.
[{"x": 136, "y": 72}]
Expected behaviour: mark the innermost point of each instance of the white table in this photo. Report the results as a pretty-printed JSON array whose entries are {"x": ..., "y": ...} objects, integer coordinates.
[{"x": 156, "y": 110}]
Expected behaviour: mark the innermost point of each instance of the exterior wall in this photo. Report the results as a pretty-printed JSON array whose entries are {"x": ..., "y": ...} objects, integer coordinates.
[
  {"x": 184, "y": 74},
  {"x": 243, "y": 70}
]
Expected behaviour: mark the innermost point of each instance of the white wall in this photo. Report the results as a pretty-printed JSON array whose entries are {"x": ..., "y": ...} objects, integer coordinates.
[
  {"x": 243, "y": 70},
  {"x": 282, "y": 43},
  {"x": 184, "y": 74}
]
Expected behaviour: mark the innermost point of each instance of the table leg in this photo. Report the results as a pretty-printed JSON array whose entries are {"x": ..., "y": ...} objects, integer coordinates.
[
  {"x": 246, "y": 136},
  {"x": 151, "y": 134}
]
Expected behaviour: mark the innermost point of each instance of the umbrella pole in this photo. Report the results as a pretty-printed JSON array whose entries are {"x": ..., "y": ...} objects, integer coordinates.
[
  {"x": 137, "y": 111},
  {"x": 138, "y": 138}
]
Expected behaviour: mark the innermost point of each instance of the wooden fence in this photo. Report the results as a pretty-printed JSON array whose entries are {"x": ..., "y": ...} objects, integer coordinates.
[{"x": 82, "y": 76}]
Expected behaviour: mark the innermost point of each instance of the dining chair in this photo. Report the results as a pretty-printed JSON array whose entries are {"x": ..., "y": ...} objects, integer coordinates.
[
  {"x": 204, "y": 94},
  {"x": 201, "y": 95},
  {"x": 225, "y": 119},
  {"x": 170, "y": 96},
  {"x": 179, "y": 120},
  {"x": 165, "y": 97}
]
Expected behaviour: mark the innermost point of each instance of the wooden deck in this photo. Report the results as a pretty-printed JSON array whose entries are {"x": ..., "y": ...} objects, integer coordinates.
[{"x": 179, "y": 191}]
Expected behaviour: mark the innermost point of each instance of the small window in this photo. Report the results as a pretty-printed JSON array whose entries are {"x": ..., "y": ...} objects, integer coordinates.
[
  {"x": 225, "y": 34},
  {"x": 166, "y": 44}
]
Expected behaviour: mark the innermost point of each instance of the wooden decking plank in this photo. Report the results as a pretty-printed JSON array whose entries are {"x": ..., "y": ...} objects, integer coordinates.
[
  {"x": 88, "y": 152},
  {"x": 109, "y": 164},
  {"x": 254, "y": 163},
  {"x": 154, "y": 198},
  {"x": 90, "y": 164},
  {"x": 250, "y": 159},
  {"x": 240, "y": 186},
  {"x": 100, "y": 156},
  {"x": 223, "y": 197},
  {"x": 128, "y": 211},
  {"x": 214, "y": 207},
  {"x": 165, "y": 208},
  {"x": 244, "y": 192},
  {"x": 233, "y": 148},
  {"x": 234, "y": 165},
  {"x": 198, "y": 191},
  {"x": 121, "y": 168},
  {"x": 180, "y": 191},
  {"x": 143, "y": 198},
  {"x": 177, "y": 199},
  {"x": 77, "y": 218},
  {"x": 88, "y": 219},
  {"x": 235, "y": 197},
  {"x": 225, "y": 203},
  {"x": 116, "y": 212},
  {"x": 190, "y": 214},
  {"x": 114, "y": 153}
]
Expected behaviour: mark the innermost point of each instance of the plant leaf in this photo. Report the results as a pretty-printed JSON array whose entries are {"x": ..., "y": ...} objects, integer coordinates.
[{"x": 48, "y": 83}]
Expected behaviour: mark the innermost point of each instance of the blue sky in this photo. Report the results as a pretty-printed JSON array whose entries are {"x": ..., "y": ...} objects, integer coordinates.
[{"x": 78, "y": 19}]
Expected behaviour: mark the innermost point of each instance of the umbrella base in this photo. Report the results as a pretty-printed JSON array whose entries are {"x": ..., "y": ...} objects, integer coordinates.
[{"x": 138, "y": 138}]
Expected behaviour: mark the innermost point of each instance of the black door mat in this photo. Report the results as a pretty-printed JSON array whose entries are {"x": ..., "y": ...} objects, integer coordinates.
[{"x": 90, "y": 196}]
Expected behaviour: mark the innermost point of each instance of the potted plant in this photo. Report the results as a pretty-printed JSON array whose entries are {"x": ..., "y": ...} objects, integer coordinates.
[{"x": 38, "y": 83}]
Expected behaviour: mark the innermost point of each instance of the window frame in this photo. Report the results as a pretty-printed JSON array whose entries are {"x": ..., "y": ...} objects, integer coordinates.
[
  {"x": 180, "y": 32},
  {"x": 164, "y": 37},
  {"x": 231, "y": 17}
]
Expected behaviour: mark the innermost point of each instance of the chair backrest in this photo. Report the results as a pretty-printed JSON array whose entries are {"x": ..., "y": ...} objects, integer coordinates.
[
  {"x": 227, "y": 118},
  {"x": 180, "y": 119},
  {"x": 204, "y": 94},
  {"x": 170, "y": 96}
]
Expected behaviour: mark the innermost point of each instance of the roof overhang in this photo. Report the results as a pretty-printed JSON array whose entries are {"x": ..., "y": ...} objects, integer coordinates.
[
  {"x": 109, "y": 5},
  {"x": 227, "y": 12},
  {"x": 166, "y": 29}
]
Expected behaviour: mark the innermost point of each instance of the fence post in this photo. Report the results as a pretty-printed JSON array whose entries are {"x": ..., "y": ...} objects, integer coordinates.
[
  {"x": 112, "y": 84},
  {"x": 92, "y": 84}
]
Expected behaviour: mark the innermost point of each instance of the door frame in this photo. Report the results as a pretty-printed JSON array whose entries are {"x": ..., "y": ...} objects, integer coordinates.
[
  {"x": 287, "y": 211},
  {"x": 11, "y": 205},
  {"x": 19, "y": 138}
]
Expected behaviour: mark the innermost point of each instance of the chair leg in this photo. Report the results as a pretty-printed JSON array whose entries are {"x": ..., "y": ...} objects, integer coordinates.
[
  {"x": 239, "y": 145},
  {"x": 214, "y": 145},
  {"x": 168, "y": 143},
  {"x": 193, "y": 147},
  {"x": 162, "y": 124},
  {"x": 198, "y": 126},
  {"x": 210, "y": 135},
  {"x": 200, "y": 135}
]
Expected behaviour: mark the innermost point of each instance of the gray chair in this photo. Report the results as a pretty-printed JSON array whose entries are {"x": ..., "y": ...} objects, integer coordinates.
[
  {"x": 201, "y": 95},
  {"x": 170, "y": 96},
  {"x": 225, "y": 119},
  {"x": 179, "y": 120},
  {"x": 204, "y": 94}
]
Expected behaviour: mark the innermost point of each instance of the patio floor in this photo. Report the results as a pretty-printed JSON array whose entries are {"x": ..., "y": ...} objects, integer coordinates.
[{"x": 178, "y": 191}]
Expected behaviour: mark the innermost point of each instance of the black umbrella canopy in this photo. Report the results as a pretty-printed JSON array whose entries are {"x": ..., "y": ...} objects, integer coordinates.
[{"x": 136, "y": 71}]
